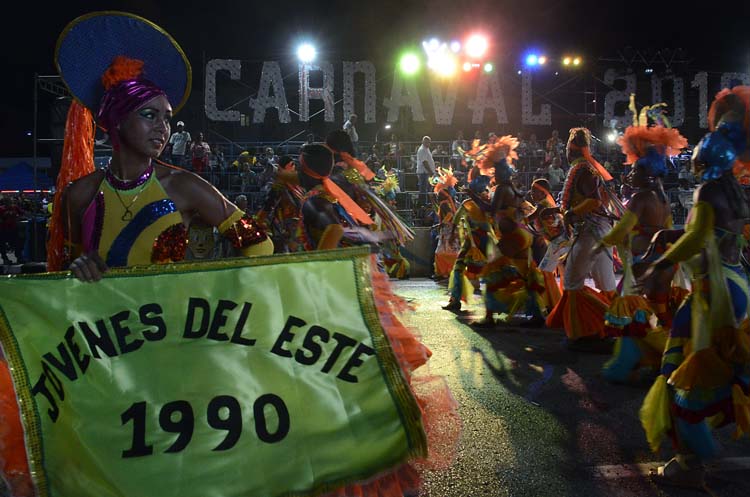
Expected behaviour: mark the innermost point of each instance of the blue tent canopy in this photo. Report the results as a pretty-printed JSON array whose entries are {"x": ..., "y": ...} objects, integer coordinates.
[{"x": 21, "y": 177}]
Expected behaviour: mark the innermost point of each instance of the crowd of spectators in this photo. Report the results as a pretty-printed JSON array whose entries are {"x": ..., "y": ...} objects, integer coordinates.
[
  {"x": 247, "y": 172},
  {"x": 23, "y": 226}
]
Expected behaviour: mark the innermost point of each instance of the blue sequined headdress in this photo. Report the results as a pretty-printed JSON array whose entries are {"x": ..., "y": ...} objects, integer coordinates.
[{"x": 720, "y": 149}]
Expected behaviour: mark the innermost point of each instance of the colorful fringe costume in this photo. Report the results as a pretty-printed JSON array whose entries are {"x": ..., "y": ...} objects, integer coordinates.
[
  {"x": 438, "y": 407},
  {"x": 581, "y": 310},
  {"x": 280, "y": 212},
  {"x": 448, "y": 244},
  {"x": 705, "y": 372},
  {"x": 638, "y": 343},
  {"x": 513, "y": 283},
  {"x": 548, "y": 222},
  {"x": 476, "y": 235}
]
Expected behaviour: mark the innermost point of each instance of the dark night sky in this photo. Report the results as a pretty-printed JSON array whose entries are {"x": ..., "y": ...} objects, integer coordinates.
[{"x": 376, "y": 30}]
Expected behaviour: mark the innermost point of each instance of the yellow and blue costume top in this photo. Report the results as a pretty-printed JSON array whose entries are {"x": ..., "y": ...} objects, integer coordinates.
[{"x": 134, "y": 223}]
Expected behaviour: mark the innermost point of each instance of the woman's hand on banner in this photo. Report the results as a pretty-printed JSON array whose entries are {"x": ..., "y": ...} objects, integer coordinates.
[{"x": 88, "y": 267}]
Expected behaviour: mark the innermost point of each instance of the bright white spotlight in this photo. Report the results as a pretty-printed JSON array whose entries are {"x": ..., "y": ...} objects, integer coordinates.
[
  {"x": 387, "y": 126},
  {"x": 532, "y": 60},
  {"x": 612, "y": 137},
  {"x": 306, "y": 52},
  {"x": 567, "y": 61},
  {"x": 476, "y": 46},
  {"x": 519, "y": 71},
  {"x": 455, "y": 46},
  {"x": 434, "y": 44},
  {"x": 467, "y": 66},
  {"x": 577, "y": 61},
  {"x": 542, "y": 60},
  {"x": 445, "y": 64},
  {"x": 488, "y": 67}
]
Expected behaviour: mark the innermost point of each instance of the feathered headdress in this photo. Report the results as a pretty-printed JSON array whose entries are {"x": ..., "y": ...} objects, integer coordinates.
[
  {"x": 444, "y": 179},
  {"x": 505, "y": 144},
  {"x": 738, "y": 133},
  {"x": 649, "y": 146}
]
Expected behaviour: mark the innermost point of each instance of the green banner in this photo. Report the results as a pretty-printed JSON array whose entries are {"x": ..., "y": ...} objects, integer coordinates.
[{"x": 266, "y": 376}]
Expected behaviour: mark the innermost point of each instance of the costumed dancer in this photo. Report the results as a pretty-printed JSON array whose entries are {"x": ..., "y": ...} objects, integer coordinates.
[
  {"x": 330, "y": 219},
  {"x": 705, "y": 374},
  {"x": 280, "y": 211},
  {"x": 638, "y": 344},
  {"x": 396, "y": 265},
  {"x": 356, "y": 179},
  {"x": 136, "y": 210},
  {"x": 587, "y": 207},
  {"x": 474, "y": 222},
  {"x": 513, "y": 283},
  {"x": 448, "y": 244},
  {"x": 548, "y": 222}
]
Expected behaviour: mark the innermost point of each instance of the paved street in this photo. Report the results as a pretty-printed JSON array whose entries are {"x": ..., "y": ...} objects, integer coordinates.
[{"x": 539, "y": 420}]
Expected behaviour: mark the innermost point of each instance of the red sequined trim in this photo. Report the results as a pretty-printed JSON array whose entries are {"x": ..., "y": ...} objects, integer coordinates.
[
  {"x": 245, "y": 232},
  {"x": 170, "y": 245}
]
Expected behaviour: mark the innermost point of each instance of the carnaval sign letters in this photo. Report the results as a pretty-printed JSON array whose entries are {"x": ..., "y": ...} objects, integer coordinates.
[
  {"x": 192, "y": 379},
  {"x": 485, "y": 98}
]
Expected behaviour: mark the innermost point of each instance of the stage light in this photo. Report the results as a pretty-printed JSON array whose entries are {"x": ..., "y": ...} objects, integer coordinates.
[
  {"x": 476, "y": 46},
  {"x": 444, "y": 64},
  {"x": 387, "y": 126},
  {"x": 306, "y": 52},
  {"x": 532, "y": 60},
  {"x": 488, "y": 67},
  {"x": 409, "y": 64},
  {"x": 649, "y": 70},
  {"x": 433, "y": 44},
  {"x": 455, "y": 47},
  {"x": 577, "y": 61},
  {"x": 467, "y": 66},
  {"x": 567, "y": 61},
  {"x": 542, "y": 60},
  {"x": 612, "y": 137},
  {"x": 519, "y": 71}
]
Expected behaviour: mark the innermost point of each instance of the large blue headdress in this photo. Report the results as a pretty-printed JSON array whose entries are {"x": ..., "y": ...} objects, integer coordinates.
[{"x": 718, "y": 153}]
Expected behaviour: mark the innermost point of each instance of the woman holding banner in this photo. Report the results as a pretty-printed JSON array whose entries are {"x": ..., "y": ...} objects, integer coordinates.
[{"x": 136, "y": 211}]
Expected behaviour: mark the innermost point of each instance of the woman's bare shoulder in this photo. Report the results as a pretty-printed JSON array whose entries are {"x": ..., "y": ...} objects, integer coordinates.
[{"x": 80, "y": 192}]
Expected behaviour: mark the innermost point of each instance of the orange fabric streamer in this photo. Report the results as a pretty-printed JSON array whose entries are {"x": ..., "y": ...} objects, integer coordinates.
[
  {"x": 336, "y": 192},
  {"x": 77, "y": 161},
  {"x": 590, "y": 158},
  {"x": 547, "y": 195},
  {"x": 357, "y": 164}
]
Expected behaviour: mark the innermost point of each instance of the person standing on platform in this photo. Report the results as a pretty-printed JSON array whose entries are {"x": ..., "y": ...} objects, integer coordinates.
[
  {"x": 351, "y": 129},
  {"x": 425, "y": 166},
  {"x": 179, "y": 144}
]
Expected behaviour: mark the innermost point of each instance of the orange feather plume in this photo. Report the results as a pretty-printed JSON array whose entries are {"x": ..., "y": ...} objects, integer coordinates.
[
  {"x": 121, "y": 69},
  {"x": 636, "y": 141},
  {"x": 505, "y": 144}
]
